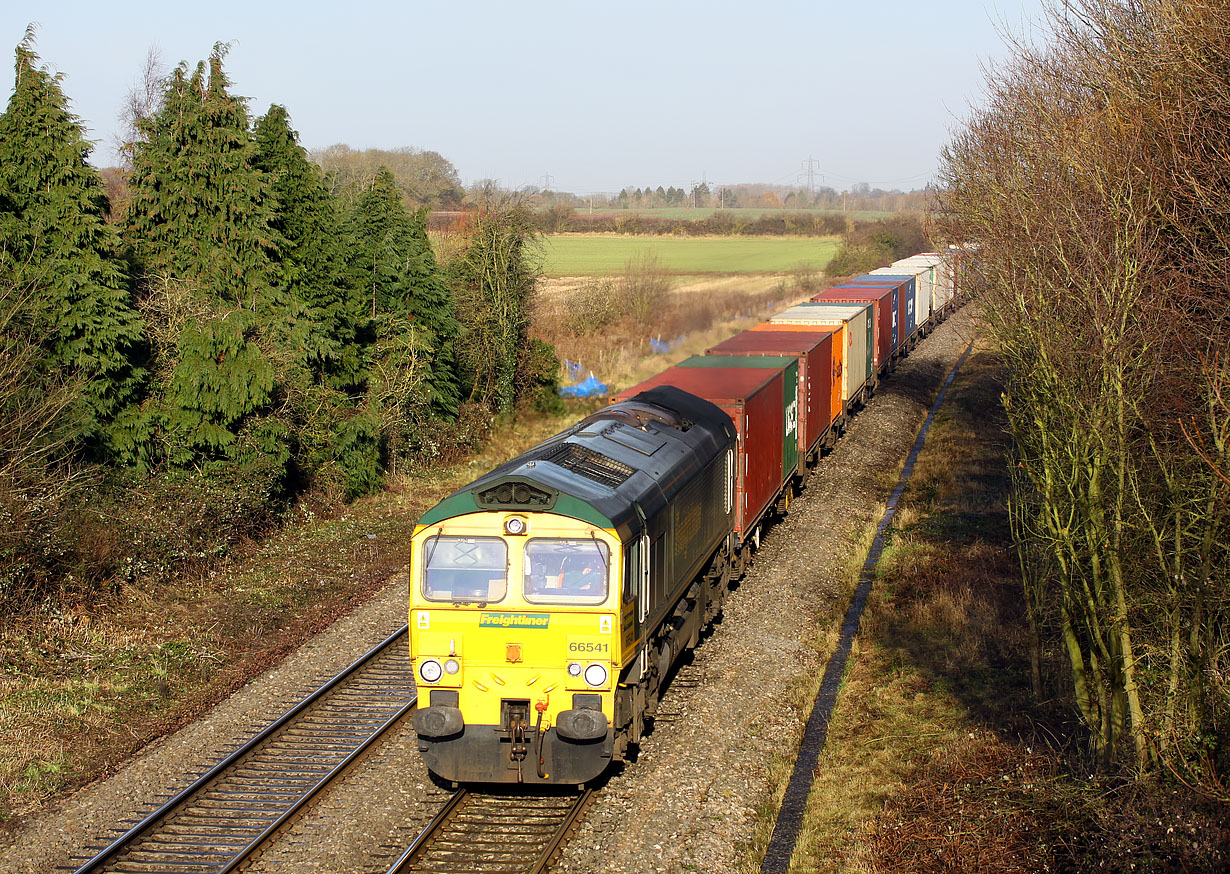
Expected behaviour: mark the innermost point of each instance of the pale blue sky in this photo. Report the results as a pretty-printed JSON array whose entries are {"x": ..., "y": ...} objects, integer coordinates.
[{"x": 598, "y": 95}]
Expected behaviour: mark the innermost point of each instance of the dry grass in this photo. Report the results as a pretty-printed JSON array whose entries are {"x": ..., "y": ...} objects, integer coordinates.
[{"x": 588, "y": 320}]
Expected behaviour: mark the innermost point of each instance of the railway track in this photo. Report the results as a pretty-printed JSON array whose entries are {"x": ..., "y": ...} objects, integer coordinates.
[
  {"x": 494, "y": 834},
  {"x": 218, "y": 822}
]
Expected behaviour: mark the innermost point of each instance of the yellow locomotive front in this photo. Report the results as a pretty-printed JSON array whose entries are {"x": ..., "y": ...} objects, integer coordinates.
[{"x": 515, "y": 628}]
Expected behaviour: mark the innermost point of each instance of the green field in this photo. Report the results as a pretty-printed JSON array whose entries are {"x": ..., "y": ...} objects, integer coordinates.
[{"x": 602, "y": 254}]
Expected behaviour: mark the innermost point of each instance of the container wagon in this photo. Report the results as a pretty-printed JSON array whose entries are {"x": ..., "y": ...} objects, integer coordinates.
[
  {"x": 794, "y": 453},
  {"x": 884, "y": 313},
  {"x": 752, "y": 398},
  {"x": 856, "y": 341},
  {"x": 922, "y": 294},
  {"x": 906, "y": 290},
  {"x": 819, "y": 354}
]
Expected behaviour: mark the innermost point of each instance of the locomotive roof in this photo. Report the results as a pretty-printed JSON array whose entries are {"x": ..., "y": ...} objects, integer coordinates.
[{"x": 614, "y": 468}]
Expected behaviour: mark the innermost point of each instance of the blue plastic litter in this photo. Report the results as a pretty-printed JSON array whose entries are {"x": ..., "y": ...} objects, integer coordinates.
[
  {"x": 576, "y": 371},
  {"x": 660, "y": 346},
  {"x": 591, "y": 387}
]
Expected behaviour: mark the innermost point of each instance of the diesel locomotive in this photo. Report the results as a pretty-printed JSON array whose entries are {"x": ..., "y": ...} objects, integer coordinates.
[{"x": 550, "y": 597}]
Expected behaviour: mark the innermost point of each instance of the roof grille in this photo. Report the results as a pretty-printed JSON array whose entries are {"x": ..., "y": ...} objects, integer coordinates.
[{"x": 589, "y": 464}]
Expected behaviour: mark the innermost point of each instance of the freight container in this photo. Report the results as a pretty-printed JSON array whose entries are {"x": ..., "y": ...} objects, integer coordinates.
[
  {"x": 857, "y": 340},
  {"x": 943, "y": 289},
  {"x": 792, "y": 458},
  {"x": 883, "y": 302},
  {"x": 753, "y": 400},
  {"x": 820, "y": 354},
  {"x": 922, "y": 292},
  {"x": 932, "y": 273},
  {"x": 906, "y": 291}
]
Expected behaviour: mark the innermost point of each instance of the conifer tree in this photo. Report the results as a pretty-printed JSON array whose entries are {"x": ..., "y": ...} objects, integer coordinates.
[
  {"x": 434, "y": 311},
  {"x": 399, "y": 277},
  {"x": 60, "y": 256},
  {"x": 200, "y": 226},
  {"x": 381, "y": 234},
  {"x": 201, "y": 210},
  {"x": 311, "y": 265}
]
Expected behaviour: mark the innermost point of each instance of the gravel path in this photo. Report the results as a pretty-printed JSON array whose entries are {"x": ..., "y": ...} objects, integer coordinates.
[{"x": 686, "y": 804}]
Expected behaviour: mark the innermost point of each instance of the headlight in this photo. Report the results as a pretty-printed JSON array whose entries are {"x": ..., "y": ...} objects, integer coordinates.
[
  {"x": 452, "y": 666},
  {"x": 430, "y": 670},
  {"x": 514, "y": 526},
  {"x": 595, "y": 675},
  {"x": 574, "y": 669}
]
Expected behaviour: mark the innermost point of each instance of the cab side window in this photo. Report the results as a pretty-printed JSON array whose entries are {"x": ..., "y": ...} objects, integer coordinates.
[{"x": 566, "y": 571}]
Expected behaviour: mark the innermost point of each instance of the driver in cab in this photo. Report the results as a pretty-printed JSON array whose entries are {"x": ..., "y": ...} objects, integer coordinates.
[{"x": 581, "y": 573}]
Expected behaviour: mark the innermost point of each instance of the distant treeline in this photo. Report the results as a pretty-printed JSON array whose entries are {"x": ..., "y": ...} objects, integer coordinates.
[
  {"x": 561, "y": 219},
  {"x": 860, "y": 198},
  {"x": 240, "y": 330}
]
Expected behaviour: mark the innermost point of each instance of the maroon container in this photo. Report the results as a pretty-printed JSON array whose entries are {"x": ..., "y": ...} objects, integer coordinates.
[
  {"x": 884, "y": 315},
  {"x": 753, "y": 398},
  {"x": 906, "y": 291},
  {"x": 819, "y": 374}
]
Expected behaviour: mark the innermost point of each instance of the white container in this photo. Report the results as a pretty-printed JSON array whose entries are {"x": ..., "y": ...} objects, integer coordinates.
[
  {"x": 942, "y": 288},
  {"x": 924, "y": 285}
]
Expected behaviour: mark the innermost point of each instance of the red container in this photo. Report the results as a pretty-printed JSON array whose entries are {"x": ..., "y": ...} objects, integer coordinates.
[
  {"x": 885, "y": 315},
  {"x": 819, "y": 373},
  {"x": 753, "y": 398}
]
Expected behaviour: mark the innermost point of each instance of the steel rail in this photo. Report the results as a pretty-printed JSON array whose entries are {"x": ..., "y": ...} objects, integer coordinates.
[
  {"x": 504, "y": 839},
  {"x": 556, "y": 845},
  {"x": 111, "y": 852},
  {"x": 429, "y": 831}
]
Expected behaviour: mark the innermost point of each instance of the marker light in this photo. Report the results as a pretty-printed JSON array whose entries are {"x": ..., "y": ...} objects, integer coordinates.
[
  {"x": 574, "y": 669},
  {"x": 430, "y": 671},
  {"x": 595, "y": 675},
  {"x": 452, "y": 666}
]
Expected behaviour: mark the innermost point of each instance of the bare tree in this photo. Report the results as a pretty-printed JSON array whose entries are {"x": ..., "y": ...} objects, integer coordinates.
[
  {"x": 141, "y": 102},
  {"x": 1095, "y": 190}
]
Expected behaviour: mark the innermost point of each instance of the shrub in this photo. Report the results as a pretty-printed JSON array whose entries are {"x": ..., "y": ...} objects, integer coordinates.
[
  {"x": 357, "y": 455},
  {"x": 644, "y": 288},
  {"x": 594, "y": 306},
  {"x": 539, "y": 378}
]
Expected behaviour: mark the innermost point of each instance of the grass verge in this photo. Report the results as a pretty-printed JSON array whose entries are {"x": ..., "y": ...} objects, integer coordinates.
[{"x": 938, "y": 758}]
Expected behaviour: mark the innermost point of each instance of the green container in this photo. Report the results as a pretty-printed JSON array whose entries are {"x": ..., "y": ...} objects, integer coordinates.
[{"x": 789, "y": 365}]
